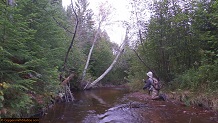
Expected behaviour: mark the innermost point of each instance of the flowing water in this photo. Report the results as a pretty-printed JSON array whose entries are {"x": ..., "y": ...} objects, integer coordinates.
[{"x": 114, "y": 105}]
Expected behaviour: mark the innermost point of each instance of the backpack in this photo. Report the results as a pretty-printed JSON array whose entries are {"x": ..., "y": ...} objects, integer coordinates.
[{"x": 156, "y": 84}]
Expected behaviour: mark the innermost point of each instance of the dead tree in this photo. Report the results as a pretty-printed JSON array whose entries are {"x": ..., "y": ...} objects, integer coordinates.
[
  {"x": 73, "y": 38},
  {"x": 65, "y": 84}
]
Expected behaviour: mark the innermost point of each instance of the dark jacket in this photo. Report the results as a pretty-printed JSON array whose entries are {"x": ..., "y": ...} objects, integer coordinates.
[{"x": 148, "y": 84}]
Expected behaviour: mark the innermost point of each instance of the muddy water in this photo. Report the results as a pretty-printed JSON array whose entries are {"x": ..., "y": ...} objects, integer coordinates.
[{"x": 116, "y": 105}]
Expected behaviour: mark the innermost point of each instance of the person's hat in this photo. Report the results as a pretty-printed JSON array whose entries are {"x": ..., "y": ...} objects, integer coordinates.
[{"x": 150, "y": 74}]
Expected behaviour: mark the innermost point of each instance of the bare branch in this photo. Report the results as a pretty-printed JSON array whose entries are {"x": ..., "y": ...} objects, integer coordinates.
[{"x": 74, "y": 35}]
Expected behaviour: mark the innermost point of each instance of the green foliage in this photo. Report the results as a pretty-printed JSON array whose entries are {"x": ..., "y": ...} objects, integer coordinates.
[
  {"x": 31, "y": 50},
  {"x": 180, "y": 44},
  {"x": 135, "y": 71},
  {"x": 204, "y": 78},
  {"x": 119, "y": 73},
  {"x": 206, "y": 27},
  {"x": 78, "y": 59},
  {"x": 189, "y": 80},
  {"x": 101, "y": 59}
]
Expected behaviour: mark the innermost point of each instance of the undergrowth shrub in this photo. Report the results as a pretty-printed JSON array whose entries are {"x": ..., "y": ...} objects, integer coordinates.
[{"x": 205, "y": 77}]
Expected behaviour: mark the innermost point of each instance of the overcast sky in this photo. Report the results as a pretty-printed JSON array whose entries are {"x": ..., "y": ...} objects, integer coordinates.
[{"x": 121, "y": 13}]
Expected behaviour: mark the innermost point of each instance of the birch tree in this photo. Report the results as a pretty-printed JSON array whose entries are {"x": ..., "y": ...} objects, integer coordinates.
[
  {"x": 103, "y": 15},
  {"x": 111, "y": 66}
]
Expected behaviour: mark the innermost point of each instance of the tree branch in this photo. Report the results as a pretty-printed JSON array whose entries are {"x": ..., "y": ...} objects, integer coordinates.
[{"x": 74, "y": 35}]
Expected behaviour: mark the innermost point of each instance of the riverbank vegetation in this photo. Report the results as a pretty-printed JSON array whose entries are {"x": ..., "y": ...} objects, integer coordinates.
[
  {"x": 179, "y": 42},
  {"x": 180, "y": 46}
]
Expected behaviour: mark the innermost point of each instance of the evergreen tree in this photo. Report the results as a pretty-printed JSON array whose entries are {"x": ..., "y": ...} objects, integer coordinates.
[{"x": 32, "y": 46}]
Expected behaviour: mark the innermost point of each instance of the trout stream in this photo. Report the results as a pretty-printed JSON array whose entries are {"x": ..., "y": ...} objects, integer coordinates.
[{"x": 117, "y": 105}]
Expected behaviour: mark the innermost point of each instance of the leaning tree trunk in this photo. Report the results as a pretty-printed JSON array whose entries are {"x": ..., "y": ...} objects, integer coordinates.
[
  {"x": 108, "y": 70},
  {"x": 90, "y": 53}
]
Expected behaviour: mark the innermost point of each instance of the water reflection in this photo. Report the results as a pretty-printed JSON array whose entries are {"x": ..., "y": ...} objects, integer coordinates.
[
  {"x": 91, "y": 103},
  {"x": 112, "y": 105}
]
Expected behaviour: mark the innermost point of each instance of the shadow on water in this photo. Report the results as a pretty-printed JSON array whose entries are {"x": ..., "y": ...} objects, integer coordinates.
[{"x": 114, "y": 105}]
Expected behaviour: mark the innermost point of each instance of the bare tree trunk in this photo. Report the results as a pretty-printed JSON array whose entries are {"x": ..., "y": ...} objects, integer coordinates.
[
  {"x": 74, "y": 35},
  {"x": 90, "y": 53},
  {"x": 64, "y": 83},
  {"x": 109, "y": 68}
]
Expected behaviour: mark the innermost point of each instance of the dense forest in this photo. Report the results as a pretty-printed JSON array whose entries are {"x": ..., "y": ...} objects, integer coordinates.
[{"x": 41, "y": 43}]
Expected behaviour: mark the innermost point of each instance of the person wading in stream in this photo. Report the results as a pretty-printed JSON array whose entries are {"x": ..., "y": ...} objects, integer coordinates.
[{"x": 153, "y": 86}]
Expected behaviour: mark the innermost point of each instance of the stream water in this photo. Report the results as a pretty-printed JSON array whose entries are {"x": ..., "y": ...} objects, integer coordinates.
[{"x": 114, "y": 105}]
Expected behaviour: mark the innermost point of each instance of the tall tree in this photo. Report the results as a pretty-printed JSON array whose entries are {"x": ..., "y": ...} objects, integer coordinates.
[{"x": 205, "y": 27}]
